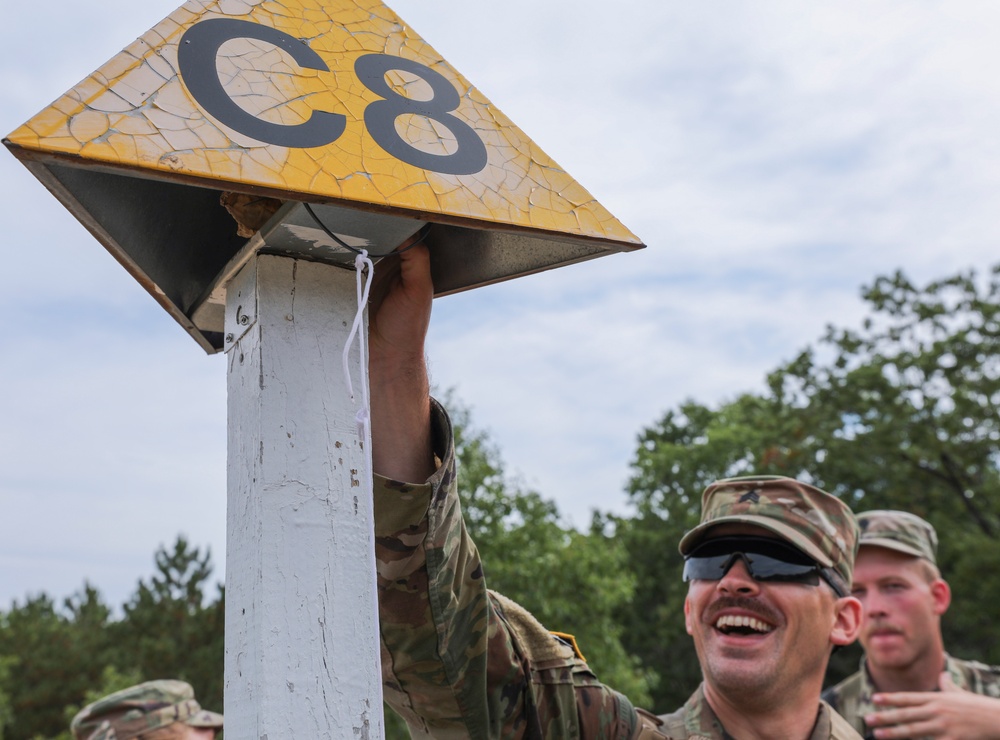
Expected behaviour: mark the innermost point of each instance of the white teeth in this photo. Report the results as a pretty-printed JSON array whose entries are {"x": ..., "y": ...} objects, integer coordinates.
[{"x": 732, "y": 620}]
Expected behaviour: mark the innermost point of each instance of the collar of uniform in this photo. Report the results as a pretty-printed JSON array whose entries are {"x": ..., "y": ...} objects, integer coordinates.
[
  {"x": 952, "y": 668},
  {"x": 867, "y": 684},
  {"x": 701, "y": 722}
]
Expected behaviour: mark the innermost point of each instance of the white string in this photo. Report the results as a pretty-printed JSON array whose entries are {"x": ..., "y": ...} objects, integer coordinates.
[{"x": 363, "y": 288}]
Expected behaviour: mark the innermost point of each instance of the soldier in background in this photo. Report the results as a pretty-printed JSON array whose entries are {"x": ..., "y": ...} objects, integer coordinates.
[
  {"x": 908, "y": 686},
  {"x": 155, "y": 710},
  {"x": 769, "y": 568}
]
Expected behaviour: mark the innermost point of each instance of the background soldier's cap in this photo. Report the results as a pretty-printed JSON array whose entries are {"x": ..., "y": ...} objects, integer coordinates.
[
  {"x": 130, "y": 712},
  {"x": 900, "y": 531},
  {"x": 816, "y": 522}
]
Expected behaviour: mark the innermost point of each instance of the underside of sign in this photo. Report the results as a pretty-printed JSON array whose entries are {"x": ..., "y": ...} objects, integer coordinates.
[{"x": 309, "y": 128}]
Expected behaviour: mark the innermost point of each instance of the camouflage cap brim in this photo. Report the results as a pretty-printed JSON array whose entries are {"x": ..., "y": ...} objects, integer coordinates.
[
  {"x": 791, "y": 535},
  {"x": 205, "y": 718},
  {"x": 893, "y": 545}
]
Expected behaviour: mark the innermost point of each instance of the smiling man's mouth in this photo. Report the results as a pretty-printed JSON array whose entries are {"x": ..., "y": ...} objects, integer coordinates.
[{"x": 732, "y": 624}]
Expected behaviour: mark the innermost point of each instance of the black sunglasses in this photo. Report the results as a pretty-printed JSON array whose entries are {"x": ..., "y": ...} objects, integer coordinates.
[{"x": 766, "y": 560}]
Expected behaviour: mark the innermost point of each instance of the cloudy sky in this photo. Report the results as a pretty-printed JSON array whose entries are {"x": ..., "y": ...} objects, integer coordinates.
[{"x": 774, "y": 156}]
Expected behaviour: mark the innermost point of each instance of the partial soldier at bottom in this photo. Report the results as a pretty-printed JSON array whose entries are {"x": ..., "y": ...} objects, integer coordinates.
[{"x": 154, "y": 710}]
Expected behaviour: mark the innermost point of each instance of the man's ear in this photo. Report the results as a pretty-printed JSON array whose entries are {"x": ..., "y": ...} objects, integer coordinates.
[
  {"x": 847, "y": 621},
  {"x": 687, "y": 615},
  {"x": 941, "y": 593}
]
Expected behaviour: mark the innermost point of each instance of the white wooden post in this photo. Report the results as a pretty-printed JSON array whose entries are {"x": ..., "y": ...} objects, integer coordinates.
[{"x": 302, "y": 649}]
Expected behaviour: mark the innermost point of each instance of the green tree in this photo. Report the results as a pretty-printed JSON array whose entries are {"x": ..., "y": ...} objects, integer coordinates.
[
  {"x": 171, "y": 629},
  {"x": 52, "y": 656},
  {"x": 901, "y": 413},
  {"x": 111, "y": 680},
  {"x": 6, "y": 712},
  {"x": 54, "y": 660},
  {"x": 917, "y": 390}
]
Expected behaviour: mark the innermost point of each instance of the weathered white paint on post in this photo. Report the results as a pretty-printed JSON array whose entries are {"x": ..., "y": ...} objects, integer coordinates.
[{"x": 302, "y": 650}]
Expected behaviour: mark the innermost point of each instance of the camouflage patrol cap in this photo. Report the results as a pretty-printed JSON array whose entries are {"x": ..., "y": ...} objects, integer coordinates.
[
  {"x": 900, "y": 531},
  {"x": 130, "y": 712},
  {"x": 814, "y": 521}
]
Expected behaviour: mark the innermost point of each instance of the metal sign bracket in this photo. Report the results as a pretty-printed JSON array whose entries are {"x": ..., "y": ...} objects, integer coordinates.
[{"x": 241, "y": 314}]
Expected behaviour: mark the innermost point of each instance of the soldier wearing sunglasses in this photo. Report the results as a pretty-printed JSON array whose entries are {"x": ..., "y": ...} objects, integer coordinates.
[{"x": 768, "y": 570}]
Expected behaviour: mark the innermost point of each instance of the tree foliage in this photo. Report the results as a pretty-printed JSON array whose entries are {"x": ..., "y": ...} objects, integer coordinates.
[
  {"x": 52, "y": 654},
  {"x": 6, "y": 713},
  {"x": 171, "y": 629},
  {"x": 56, "y": 659}
]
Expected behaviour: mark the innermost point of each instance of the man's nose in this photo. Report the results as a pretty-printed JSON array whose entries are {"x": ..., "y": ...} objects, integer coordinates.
[
  {"x": 874, "y": 605},
  {"x": 738, "y": 578}
]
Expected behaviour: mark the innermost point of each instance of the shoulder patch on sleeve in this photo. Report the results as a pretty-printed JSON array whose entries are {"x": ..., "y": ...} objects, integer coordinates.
[{"x": 571, "y": 641}]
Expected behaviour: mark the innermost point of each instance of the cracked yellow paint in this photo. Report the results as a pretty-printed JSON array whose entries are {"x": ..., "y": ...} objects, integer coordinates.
[{"x": 139, "y": 111}]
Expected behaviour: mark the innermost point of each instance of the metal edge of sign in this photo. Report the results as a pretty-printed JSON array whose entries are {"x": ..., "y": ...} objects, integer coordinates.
[
  {"x": 39, "y": 163},
  {"x": 40, "y": 157}
]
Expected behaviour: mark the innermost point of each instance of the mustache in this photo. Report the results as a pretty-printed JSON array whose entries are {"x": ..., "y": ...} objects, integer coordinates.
[
  {"x": 878, "y": 625},
  {"x": 753, "y": 606}
]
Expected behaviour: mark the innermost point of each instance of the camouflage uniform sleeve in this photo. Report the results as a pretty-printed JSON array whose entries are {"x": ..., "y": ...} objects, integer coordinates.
[{"x": 451, "y": 666}]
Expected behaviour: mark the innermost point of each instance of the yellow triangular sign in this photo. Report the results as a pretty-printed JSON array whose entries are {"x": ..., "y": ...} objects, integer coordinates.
[{"x": 332, "y": 100}]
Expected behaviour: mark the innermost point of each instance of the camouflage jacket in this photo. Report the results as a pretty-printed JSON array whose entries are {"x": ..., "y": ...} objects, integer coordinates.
[
  {"x": 696, "y": 721},
  {"x": 852, "y": 697},
  {"x": 459, "y": 661}
]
